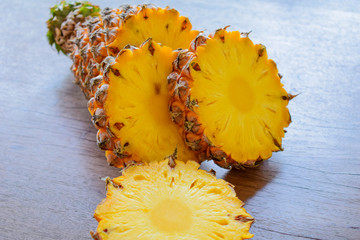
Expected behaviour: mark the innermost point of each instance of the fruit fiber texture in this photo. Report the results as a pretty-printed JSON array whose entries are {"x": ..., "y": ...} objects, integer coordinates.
[
  {"x": 170, "y": 200},
  {"x": 228, "y": 100},
  {"x": 130, "y": 108}
]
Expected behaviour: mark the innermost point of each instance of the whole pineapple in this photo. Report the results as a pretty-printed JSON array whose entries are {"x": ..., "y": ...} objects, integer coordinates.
[
  {"x": 95, "y": 41},
  {"x": 170, "y": 200},
  {"x": 228, "y": 100}
]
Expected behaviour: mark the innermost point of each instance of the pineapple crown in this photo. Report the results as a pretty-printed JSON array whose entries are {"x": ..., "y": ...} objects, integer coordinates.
[{"x": 59, "y": 13}]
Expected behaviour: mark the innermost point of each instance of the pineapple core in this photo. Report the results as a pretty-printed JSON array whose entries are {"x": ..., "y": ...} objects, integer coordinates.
[
  {"x": 241, "y": 94},
  {"x": 171, "y": 216},
  {"x": 157, "y": 105}
]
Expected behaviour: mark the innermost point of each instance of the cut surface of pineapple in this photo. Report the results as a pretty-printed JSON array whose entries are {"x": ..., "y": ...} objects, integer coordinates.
[
  {"x": 238, "y": 104},
  {"x": 132, "y": 107},
  {"x": 163, "y": 25},
  {"x": 171, "y": 200}
]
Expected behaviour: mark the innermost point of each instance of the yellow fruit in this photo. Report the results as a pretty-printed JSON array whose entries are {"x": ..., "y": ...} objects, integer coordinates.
[
  {"x": 164, "y": 26},
  {"x": 228, "y": 100},
  {"x": 170, "y": 200}
]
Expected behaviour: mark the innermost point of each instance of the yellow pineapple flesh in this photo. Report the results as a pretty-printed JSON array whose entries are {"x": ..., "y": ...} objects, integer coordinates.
[
  {"x": 228, "y": 88},
  {"x": 164, "y": 26},
  {"x": 131, "y": 107},
  {"x": 171, "y": 200}
]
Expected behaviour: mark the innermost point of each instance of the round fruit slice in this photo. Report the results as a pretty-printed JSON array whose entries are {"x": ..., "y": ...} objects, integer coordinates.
[
  {"x": 170, "y": 200},
  {"x": 228, "y": 100},
  {"x": 130, "y": 108}
]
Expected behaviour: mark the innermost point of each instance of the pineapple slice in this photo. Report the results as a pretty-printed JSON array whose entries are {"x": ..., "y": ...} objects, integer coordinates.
[
  {"x": 88, "y": 36},
  {"x": 130, "y": 108},
  {"x": 169, "y": 200},
  {"x": 228, "y": 100},
  {"x": 164, "y": 26}
]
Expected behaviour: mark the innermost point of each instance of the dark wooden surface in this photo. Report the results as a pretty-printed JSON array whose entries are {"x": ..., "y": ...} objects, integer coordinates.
[{"x": 50, "y": 166}]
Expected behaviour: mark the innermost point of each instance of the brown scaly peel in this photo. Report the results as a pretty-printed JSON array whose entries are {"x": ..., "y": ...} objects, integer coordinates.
[
  {"x": 63, "y": 19},
  {"x": 228, "y": 100},
  {"x": 170, "y": 199}
]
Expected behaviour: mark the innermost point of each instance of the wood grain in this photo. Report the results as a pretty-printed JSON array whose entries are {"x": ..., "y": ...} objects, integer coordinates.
[{"x": 50, "y": 164}]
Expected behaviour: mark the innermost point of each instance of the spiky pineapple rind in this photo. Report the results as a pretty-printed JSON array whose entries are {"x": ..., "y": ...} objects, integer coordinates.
[
  {"x": 60, "y": 11},
  {"x": 115, "y": 151}
]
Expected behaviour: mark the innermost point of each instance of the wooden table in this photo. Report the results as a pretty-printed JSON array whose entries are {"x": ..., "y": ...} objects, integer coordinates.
[{"x": 51, "y": 167}]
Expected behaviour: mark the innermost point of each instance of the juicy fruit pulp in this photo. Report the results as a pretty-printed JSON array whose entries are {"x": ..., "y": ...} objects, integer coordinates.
[
  {"x": 240, "y": 104},
  {"x": 137, "y": 103},
  {"x": 171, "y": 200},
  {"x": 239, "y": 98},
  {"x": 164, "y": 26}
]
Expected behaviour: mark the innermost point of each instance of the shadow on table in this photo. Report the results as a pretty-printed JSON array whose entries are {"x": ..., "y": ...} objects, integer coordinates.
[
  {"x": 249, "y": 181},
  {"x": 246, "y": 181}
]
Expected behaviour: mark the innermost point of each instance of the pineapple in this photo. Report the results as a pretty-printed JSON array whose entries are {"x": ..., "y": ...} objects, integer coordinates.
[
  {"x": 63, "y": 20},
  {"x": 228, "y": 99},
  {"x": 93, "y": 40},
  {"x": 88, "y": 36},
  {"x": 169, "y": 200},
  {"x": 130, "y": 107}
]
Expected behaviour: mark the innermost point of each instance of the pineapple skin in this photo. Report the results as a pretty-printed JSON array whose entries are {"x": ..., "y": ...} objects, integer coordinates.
[
  {"x": 82, "y": 32},
  {"x": 88, "y": 36},
  {"x": 182, "y": 105},
  {"x": 64, "y": 18},
  {"x": 91, "y": 47},
  {"x": 115, "y": 152},
  {"x": 185, "y": 187}
]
